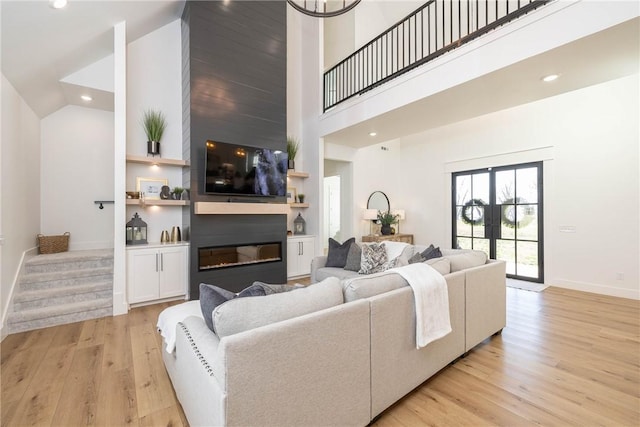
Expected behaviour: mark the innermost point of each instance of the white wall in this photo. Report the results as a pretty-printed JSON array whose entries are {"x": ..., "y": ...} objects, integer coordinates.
[
  {"x": 154, "y": 80},
  {"x": 77, "y": 169},
  {"x": 19, "y": 186},
  {"x": 588, "y": 140},
  {"x": 304, "y": 87}
]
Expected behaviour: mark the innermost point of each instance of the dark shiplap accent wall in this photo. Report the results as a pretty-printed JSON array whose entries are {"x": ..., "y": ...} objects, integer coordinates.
[{"x": 236, "y": 57}]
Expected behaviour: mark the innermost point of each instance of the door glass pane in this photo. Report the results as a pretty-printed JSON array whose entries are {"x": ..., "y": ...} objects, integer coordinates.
[
  {"x": 527, "y": 225},
  {"x": 527, "y": 185},
  {"x": 464, "y": 243},
  {"x": 506, "y": 251},
  {"x": 481, "y": 245},
  {"x": 463, "y": 189},
  {"x": 462, "y": 228},
  {"x": 505, "y": 186},
  {"x": 507, "y": 221},
  {"x": 481, "y": 187},
  {"x": 527, "y": 262}
]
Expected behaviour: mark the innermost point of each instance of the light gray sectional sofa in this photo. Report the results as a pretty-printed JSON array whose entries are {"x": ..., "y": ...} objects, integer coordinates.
[{"x": 338, "y": 366}]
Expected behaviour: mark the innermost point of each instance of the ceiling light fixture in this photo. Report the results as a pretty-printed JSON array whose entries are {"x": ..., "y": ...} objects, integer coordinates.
[
  {"x": 57, "y": 4},
  {"x": 550, "y": 78},
  {"x": 373, "y": 133},
  {"x": 326, "y": 9},
  {"x": 86, "y": 98}
]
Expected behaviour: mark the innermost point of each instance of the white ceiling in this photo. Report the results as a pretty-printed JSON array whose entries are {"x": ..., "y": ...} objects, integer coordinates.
[
  {"x": 41, "y": 45},
  {"x": 603, "y": 56}
]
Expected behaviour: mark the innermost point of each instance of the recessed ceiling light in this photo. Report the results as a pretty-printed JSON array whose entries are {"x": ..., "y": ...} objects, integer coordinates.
[
  {"x": 550, "y": 78},
  {"x": 57, "y": 4},
  {"x": 86, "y": 98},
  {"x": 373, "y": 133}
]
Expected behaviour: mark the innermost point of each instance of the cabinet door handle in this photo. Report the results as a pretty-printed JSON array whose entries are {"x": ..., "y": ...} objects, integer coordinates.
[
  {"x": 300, "y": 249},
  {"x": 156, "y": 262},
  {"x": 161, "y": 262}
]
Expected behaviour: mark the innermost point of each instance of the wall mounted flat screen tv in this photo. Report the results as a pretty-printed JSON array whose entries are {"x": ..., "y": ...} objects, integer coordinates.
[{"x": 232, "y": 169}]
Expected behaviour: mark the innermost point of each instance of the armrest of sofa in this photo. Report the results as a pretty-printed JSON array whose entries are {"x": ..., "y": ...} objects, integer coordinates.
[
  {"x": 316, "y": 263},
  {"x": 309, "y": 370},
  {"x": 486, "y": 301}
]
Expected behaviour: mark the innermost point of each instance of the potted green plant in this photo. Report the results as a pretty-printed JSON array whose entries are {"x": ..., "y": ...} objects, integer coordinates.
[
  {"x": 293, "y": 145},
  {"x": 154, "y": 124},
  {"x": 301, "y": 198},
  {"x": 386, "y": 219},
  {"x": 177, "y": 193}
]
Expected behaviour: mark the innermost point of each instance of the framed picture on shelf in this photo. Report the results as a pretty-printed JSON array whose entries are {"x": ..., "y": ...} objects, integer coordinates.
[
  {"x": 150, "y": 187},
  {"x": 292, "y": 194}
]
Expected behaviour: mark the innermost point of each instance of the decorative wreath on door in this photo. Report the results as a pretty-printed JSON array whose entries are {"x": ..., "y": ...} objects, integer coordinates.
[
  {"x": 510, "y": 207},
  {"x": 473, "y": 212}
]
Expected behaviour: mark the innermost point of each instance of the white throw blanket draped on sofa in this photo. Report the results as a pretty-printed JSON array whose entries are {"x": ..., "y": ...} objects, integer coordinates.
[{"x": 431, "y": 302}]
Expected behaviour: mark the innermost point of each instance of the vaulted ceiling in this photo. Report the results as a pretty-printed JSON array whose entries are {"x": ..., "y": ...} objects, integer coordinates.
[{"x": 42, "y": 45}]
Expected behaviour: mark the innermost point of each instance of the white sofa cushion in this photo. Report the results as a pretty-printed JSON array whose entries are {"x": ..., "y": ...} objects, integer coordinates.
[{"x": 242, "y": 314}]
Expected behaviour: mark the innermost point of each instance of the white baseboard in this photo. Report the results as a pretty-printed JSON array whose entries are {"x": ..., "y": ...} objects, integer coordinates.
[
  {"x": 25, "y": 255},
  {"x": 595, "y": 288}
]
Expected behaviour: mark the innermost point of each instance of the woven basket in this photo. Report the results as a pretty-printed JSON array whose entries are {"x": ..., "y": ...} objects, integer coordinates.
[{"x": 53, "y": 244}]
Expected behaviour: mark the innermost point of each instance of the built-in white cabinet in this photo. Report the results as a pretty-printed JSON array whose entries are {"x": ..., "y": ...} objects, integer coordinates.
[
  {"x": 300, "y": 252},
  {"x": 157, "y": 272}
]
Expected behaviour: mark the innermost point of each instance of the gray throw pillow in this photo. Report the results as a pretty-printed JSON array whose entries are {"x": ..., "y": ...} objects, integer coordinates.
[
  {"x": 270, "y": 288},
  {"x": 337, "y": 255},
  {"x": 431, "y": 252},
  {"x": 353, "y": 257},
  {"x": 416, "y": 258},
  {"x": 212, "y": 296}
]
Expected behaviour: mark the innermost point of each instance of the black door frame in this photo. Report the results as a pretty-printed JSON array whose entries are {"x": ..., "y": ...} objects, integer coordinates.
[{"x": 492, "y": 214}]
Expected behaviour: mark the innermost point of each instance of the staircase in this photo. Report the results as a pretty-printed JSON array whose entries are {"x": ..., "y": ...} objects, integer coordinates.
[{"x": 66, "y": 287}]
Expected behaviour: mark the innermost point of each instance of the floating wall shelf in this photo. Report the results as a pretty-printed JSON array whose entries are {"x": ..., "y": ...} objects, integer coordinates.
[
  {"x": 160, "y": 161},
  {"x": 158, "y": 202},
  {"x": 294, "y": 174}
]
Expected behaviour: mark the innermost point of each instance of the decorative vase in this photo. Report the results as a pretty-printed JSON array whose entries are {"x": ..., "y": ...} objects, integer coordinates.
[
  {"x": 153, "y": 148},
  {"x": 291, "y": 165},
  {"x": 385, "y": 229}
]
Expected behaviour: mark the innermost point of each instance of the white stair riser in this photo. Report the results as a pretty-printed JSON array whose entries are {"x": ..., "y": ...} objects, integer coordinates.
[
  {"x": 59, "y": 320},
  {"x": 65, "y": 282},
  {"x": 66, "y": 266},
  {"x": 62, "y": 299}
]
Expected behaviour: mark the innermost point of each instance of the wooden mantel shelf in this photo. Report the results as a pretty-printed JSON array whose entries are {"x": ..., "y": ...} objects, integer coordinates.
[{"x": 224, "y": 208}]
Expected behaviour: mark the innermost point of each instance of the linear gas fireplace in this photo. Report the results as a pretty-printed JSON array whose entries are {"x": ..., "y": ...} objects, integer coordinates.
[{"x": 214, "y": 257}]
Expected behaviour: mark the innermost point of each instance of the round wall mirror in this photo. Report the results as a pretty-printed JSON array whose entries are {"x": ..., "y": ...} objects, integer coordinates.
[{"x": 378, "y": 201}]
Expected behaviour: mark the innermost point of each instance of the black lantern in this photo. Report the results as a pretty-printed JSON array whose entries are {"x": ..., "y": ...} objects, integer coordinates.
[
  {"x": 136, "y": 231},
  {"x": 299, "y": 225}
]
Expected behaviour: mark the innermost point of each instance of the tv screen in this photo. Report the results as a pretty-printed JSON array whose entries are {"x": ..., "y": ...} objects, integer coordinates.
[{"x": 243, "y": 170}]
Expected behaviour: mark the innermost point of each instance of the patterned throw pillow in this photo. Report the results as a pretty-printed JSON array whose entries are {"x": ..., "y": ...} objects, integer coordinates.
[{"x": 374, "y": 258}]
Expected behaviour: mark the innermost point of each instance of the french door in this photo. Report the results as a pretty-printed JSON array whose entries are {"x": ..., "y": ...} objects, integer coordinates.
[{"x": 499, "y": 211}]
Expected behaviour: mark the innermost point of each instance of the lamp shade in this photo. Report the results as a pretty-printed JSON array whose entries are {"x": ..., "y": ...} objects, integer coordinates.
[
  {"x": 400, "y": 213},
  {"x": 371, "y": 214}
]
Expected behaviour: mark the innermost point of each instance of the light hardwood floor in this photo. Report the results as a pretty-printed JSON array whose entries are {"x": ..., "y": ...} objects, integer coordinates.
[{"x": 565, "y": 358}]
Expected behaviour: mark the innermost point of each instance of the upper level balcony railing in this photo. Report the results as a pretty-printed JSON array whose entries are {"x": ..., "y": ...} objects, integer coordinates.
[{"x": 432, "y": 30}]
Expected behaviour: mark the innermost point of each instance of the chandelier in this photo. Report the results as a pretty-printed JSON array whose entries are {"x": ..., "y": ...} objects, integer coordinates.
[{"x": 323, "y": 8}]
